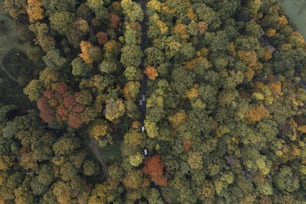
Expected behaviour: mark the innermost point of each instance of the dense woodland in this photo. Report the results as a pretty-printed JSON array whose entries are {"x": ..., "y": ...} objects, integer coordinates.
[{"x": 225, "y": 100}]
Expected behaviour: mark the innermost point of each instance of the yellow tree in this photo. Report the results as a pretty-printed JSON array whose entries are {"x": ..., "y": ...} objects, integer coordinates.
[
  {"x": 85, "y": 46},
  {"x": 34, "y": 10}
]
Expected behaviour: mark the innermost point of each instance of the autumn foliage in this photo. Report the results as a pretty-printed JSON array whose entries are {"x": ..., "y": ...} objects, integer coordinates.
[
  {"x": 60, "y": 103},
  {"x": 271, "y": 32},
  {"x": 248, "y": 57},
  {"x": 257, "y": 113},
  {"x": 187, "y": 145},
  {"x": 178, "y": 118},
  {"x": 131, "y": 89},
  {"x": 85, "y": 46},
  {"x": 154, "y": 168},
  {"x": 98, "y": 129},
  {"x": 101, "y": 37},
  {"x": 114, "y": 20},
  {"x": 35, "y": 10},
  {"x": 202, "y": 27},
  {"x": 47, "y": 113},
  {"x": 153, "y": 101},
  {"x": 151, "y": 72},
  {"x": 192, "y": 93}
]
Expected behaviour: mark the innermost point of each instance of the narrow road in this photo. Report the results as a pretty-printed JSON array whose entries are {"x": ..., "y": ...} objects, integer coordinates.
[{"x": 144, "y": 81}]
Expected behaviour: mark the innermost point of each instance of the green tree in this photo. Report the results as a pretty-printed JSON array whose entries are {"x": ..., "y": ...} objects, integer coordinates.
[
  {"x": 98, "y": 8},
  {"x": 286, "y": 181},
  {"x": 34, "y": 89},
  {"x": 181, "y": 79},
  {"x": 132, "y": 10},
  {"x": 15, "y": 7},
  {"x": 207, "y": 14},
  {"x": 217, "y": 41},
  {"x": 131, "y": 55},
  {"x": 52, "y": 6},
  {"x": 108, "y": 66},
  {"x": 60, "y": 21},
  {"x": 80, "y": 68},
  {"x": 66, "y": 144},
  {"x": 43, "y": 37},
  {"x": 54, "y": 60}
]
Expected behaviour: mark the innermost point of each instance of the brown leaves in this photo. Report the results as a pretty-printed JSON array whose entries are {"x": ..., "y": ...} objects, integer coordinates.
[
  {"x": 154, "y": 167},
  {"x": 151, "y": 72},
  {"x": 257, "y": 113},
  {"x": 34, "y": 10},
  {"x": 85, "y": 46}
]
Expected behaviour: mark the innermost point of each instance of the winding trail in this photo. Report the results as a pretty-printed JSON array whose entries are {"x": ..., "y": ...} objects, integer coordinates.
[{"x": 2, "y": 67}]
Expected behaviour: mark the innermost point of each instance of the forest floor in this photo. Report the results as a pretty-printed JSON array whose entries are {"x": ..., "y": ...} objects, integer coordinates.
[{"x": 13, "y": 63}]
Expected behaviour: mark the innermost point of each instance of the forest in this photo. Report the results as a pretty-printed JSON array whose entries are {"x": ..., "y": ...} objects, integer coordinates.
[{"x": 153, "y": 102}]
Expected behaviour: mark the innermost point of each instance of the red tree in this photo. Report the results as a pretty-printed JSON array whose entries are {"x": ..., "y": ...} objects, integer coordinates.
[
  {"x": 114, "y": 20},
  {"x": 59, "y": 102},
  {"x": 46, "y": 112},
  {"x": 154, "y": 168},
  {"x": 101, "y": 37}
]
